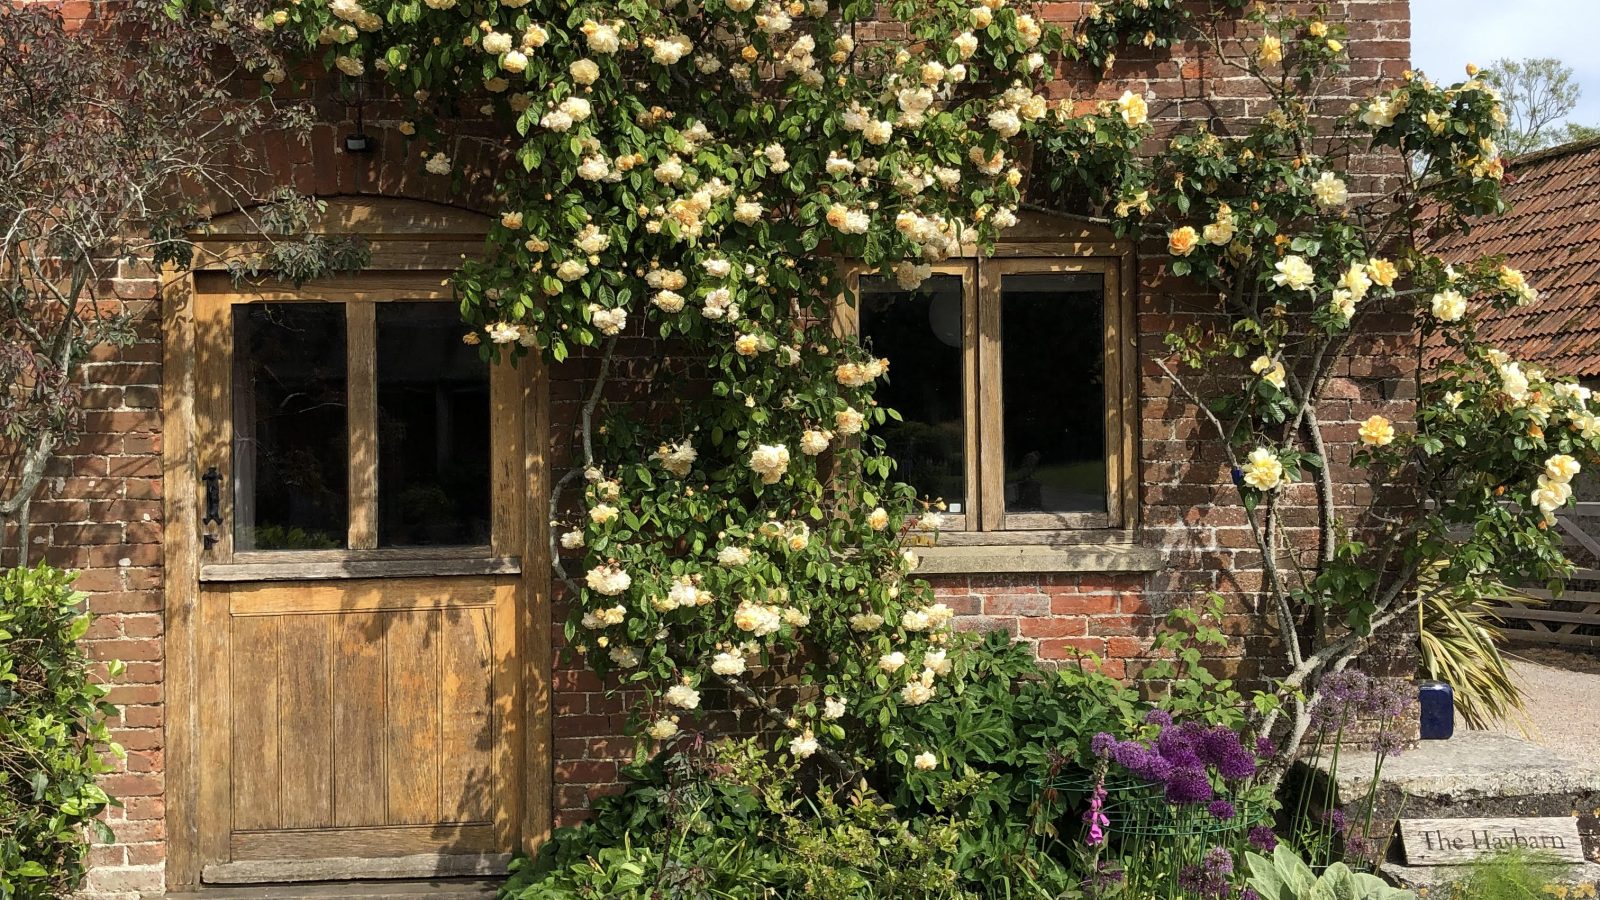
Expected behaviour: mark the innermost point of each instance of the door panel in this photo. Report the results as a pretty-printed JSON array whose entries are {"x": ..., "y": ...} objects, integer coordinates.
[
  {"x": 370, "y": 718},
  {"x": 361, "y": 705}
]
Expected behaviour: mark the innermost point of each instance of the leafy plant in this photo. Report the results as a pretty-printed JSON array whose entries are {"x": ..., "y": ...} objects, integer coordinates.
[
  {"x": 1514, "y": 874},
  {"x": 52, "y": 736},
  {"x": 1284, "y": 876}
]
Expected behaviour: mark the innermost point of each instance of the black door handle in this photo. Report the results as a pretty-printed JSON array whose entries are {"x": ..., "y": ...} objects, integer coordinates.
[{"x": 213, "y": 480}]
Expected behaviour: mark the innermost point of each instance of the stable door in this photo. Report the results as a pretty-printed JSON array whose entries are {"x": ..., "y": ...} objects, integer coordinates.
[{"x": 360, "y": 591}]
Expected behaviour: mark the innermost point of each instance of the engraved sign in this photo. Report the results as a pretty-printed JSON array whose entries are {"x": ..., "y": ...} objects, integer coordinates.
[{"x": 1446, "y": 842}]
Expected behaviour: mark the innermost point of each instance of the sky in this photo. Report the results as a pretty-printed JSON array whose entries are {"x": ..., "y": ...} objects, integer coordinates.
[{"x": 1448, "y": 34}]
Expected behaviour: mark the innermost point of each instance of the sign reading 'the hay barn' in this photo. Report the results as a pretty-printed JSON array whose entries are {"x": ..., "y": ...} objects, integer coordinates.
[{"x": 1444, "y": 842}]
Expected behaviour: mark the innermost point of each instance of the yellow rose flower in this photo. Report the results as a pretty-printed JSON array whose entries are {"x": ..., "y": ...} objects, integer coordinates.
[
  {"x": 1133, "y": 109},
  {"x": 1377, "y": 432},
  {"x": 1262, "y": 470},
  {"x": 1182, "y": 241},
  {"x": 1270, "y": 370},
  {"x": 1269, "y": 51},
  {"x": 1382, "y": 272}
]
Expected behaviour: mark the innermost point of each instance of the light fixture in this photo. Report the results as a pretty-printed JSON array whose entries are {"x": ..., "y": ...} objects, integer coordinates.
[{"x": 354, "y": 96}]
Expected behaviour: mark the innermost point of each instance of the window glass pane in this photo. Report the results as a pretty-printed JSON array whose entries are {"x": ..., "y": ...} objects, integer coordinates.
[
  {"x": 1052, "y": 357},
  {"x": 920, "y": 333},
  {"x": 433, "y": 429},
  {"x": 290, "y": 459}
]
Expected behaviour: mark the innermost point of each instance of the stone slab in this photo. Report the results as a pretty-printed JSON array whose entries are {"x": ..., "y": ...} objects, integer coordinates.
[
  {"x": 417, "y": 889},
  {"x": 1473, "y": 765}
]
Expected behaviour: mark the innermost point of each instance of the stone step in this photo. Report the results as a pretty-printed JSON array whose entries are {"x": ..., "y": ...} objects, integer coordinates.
[
  {"x": 1473, "y": 767},
  {"x": 412, "y": 889}
]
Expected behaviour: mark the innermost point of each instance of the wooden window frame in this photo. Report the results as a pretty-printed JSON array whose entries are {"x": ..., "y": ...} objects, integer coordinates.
[{"x": 985, "y": 519}]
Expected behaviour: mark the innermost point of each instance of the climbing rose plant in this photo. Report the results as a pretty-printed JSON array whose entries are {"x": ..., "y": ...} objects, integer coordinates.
[{"x": 691, "y": 172}]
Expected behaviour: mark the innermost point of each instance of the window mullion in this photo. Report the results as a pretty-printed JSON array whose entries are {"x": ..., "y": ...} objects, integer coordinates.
[
  {"x": 990, "y": 452},
  {"x": 362, "y": 412}
]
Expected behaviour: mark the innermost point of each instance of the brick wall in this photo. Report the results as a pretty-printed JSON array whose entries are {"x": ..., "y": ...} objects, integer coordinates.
[{"x": 100, "y": 511}]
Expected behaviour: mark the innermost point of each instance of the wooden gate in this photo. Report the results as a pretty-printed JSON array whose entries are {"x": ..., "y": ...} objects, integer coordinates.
[{"x": 1573, "y": 618}]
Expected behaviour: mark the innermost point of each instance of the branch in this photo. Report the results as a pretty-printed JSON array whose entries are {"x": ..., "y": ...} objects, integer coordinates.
[
  {"x": 585, "y": 430},
  {"x": 1280, "y": 596}
]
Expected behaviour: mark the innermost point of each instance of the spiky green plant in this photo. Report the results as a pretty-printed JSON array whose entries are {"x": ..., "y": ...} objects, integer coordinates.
[{"x": 1461, "y": 638}]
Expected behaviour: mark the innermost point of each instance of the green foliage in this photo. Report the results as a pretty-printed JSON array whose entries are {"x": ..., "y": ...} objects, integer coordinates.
[
  {"x": 977, "y": 819},
  {"x": 731, "y": 821},
  {"x": 52, "y": 736},
  {"x": 1514, "y": 874},
  {"x": 1284, "y": 876},
  {"x": 1109, "y": 27},
  {"x": 1190, "y": 638}
]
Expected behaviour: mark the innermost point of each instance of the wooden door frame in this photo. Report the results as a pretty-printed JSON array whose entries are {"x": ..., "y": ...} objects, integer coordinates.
[{"x": 404, "y": 236}]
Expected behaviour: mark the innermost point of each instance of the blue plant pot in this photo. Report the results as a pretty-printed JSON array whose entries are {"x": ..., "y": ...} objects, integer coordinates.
[{"x": 1437, "y": 701}]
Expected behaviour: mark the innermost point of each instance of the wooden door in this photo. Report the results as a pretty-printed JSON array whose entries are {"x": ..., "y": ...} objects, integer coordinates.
[{"x": 360, "y": 699}]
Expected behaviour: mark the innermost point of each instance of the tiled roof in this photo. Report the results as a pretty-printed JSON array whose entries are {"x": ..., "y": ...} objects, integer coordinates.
[{"x": 1552, "y": 234}]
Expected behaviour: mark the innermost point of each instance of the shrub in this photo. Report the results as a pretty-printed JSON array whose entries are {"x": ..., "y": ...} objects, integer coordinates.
[
  {"x": 986, "y": 810},
  {"x": 52, "y": 735}
]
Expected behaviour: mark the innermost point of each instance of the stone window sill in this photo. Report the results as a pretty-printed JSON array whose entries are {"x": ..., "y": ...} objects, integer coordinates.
[{"x": 1018, "y": 559}]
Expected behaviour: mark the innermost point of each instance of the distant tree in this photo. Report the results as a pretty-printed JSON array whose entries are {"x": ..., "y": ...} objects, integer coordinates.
[{"x": 1539, "y": 93}]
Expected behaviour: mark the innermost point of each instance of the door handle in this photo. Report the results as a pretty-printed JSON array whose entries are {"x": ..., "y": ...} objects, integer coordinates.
[{"x": 213, "y": 482}]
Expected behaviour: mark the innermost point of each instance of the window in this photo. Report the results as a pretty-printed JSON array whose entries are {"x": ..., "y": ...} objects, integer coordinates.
[
  {"x": 1013, "y": 383},
  {"x": 357, "y": 426}
]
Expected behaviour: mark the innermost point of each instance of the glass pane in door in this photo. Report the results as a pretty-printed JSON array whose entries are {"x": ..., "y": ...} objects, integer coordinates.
[
  {"x": 290, "y": 446},
  {"x": 433, "y": 429}
]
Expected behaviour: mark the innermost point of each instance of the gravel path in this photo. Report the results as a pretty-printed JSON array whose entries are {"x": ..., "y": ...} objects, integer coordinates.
[{"x": 1563, "y": 690}]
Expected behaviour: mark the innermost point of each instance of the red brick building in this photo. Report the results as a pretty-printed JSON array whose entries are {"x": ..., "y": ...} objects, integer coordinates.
[{"x": 361, "y": 607}]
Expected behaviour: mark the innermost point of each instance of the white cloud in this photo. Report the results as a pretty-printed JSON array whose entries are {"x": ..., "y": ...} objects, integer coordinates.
[{"x": 1448, "y": 34}]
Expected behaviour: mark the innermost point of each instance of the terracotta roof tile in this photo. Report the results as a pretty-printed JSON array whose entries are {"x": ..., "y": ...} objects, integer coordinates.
[{"x": 1552, "y": 234}]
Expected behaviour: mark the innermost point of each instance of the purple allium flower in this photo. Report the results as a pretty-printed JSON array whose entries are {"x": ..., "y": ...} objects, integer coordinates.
[
  {"x": 1178, "y": 746},
  {"x": 1336, "y": 818},
  {"x": 1158, "y": 717},
  {"x": 1249, "y": 894},
  {"x": 1222, "y": 810},
  {"x": 1222, "y": 747},
  {"x": 1187, "y": 786},
  {"x": 1349, "y": 686},
  {"x": 1262, "y": 838},
  {"x": 1102, "y": 744},
  {"x": 1155, "y": 769},
  {"x": 1103, "y": 879},
  {"x": 1265, "y": 747},
  {"x": 1390, "y": 742},
  {"x": 1130, "y": 755},
  {"x": 1210, "y": 878}
]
